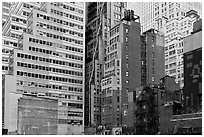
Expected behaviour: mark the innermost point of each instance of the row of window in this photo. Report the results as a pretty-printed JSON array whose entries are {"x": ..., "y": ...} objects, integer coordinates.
[
  {"x": 117, "y": 8},
  {"x": 25, "y": 5},
  {"x": 49, "y": 77},
  {"x": 58, "y": 4},
  {"x": 111, "y": 48},
  {"x": 6, "y": 51},
  {"x": 64, "y": 63},
  {"x": 66, "y": 15},
  {"x": 70, "y": 105},
  {"x": 111, "y": 56},
  {"x": 43, "y": 42},
  {"x": 54, "y": 36},
  {"x": 18, "y": 28},
  {"x": 107, "y": 91},
  {"x": 43, "y": 85},
  {"x": 10, "y": 43},
  {"x": 5, "y": 59},
  {"x": 117, "y": 16},
  {"x": 74, "y": 105},
  {"x": 19, "y": 20},
  {"x": 172, "y": 52},
  {"x": 106, "y": 81},
  {"x": 114, "y": 30},
  {"x": 69, "y": 121},
  {"x": 55, "y": 53},
  {"x": 59, "y": 21},
  {"x": 172, "y": 71},
  {"x": 110, "y": 72},
  {"x": 49, "y": 69},
  {"x": 26, "y": 13},
  {"x": 49, "y": 86},
  {"x": 109, "y": 64},
  {"x": 115, "y": 39},
  {"x": 51, "y": 27},
  {"x": 75, "y": 114},
  {"x": 4, "y": 68},
  {"x": 17, "y": 36}
]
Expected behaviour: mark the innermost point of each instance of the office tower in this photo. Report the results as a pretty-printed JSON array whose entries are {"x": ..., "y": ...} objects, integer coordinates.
[
  {"x": 176, "y": 30},
  {"x": 14, "y": 25},
  {"x": 166, "y": 17},
  {"x": 193, "y": 68},
  {"x": 48, "y": 63},
  {"x": 100, "y": 17},
  {"x": 156, "y": 14}
]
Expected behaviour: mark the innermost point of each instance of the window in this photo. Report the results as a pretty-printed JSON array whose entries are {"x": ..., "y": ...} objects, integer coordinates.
[
  {"x": 153, "y": 79},
  {"x": 127, "y": 73},
  {"x": 118, "y": 99},
  {"x": 126, "y": 30},
  {"x": 126, "y": 39}
]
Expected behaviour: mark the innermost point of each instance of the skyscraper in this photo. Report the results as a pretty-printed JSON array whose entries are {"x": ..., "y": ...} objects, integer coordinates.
[
  {"x": 100, "y": 17},
  {"x": 155, "y": 14},
  {"x": 171, "y": 19},
  {"x": 52, "y": 69},
  {"x": 122, "y": 60},
  {"x": 14, "y": 24},
  {"x": 176, "y": 30}
]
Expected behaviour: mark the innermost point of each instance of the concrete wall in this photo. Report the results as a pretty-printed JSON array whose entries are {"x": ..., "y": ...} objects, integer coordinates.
[
  {"x": 193, "y": 42},
  {"x": 11, "y": 103}
]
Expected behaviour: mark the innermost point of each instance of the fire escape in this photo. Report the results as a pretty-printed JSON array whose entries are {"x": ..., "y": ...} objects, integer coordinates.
[{"x": 144, "y": 112}]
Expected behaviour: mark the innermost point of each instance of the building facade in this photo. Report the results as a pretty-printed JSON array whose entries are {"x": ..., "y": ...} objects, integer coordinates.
[
  {"x": 37, "y": 116},
  {"x": 100, "y": 17},
  {"x": 175, "y": 21},
  {"x": 152, "y": 57},
  {"x": 51, "y": 68},
  {"x": 193, "y": 68},
  {"x": 155, "y": 14},
  {"x": 153, "y": 107},
  {"x": 5, "y": 11},
  {"x": 14, "y": 24},
  {"x": 176, "y": 30},
  {"x": 121, "y": 62}
]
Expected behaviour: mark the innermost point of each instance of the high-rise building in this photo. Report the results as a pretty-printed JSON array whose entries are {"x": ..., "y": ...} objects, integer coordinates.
[
  {"x": 177, "y": 29},
  {"x": 155, "y": 14},
  {"x": 131, "y": 60},
  {"x": 193, "y": 68},
  {"x": 121, "y": 73},
  {"x": 174, "y": 20},
  {"x": 15, "y": 23},
  {"x": 100, "y": 17},
  {"x": 52, "y": 69}
]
